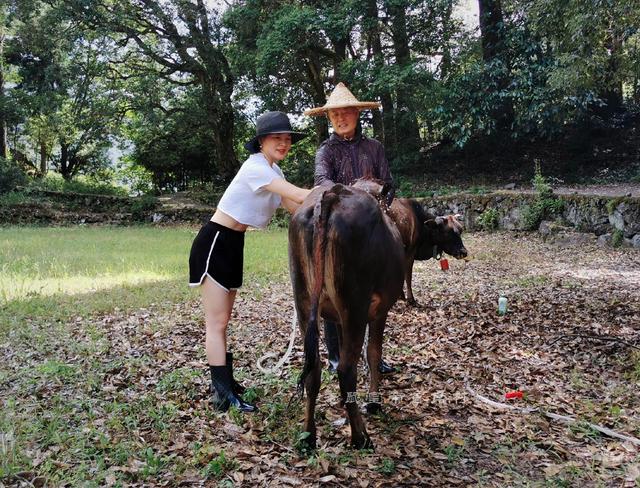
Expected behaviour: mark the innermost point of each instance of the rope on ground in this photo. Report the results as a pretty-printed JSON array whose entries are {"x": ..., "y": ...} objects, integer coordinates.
[
  {"x": 285, "y": 358},
  {"x": 554, "y": 416}
]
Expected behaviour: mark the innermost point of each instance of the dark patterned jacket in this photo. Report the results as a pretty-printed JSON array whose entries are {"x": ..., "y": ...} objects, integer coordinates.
[{"x": 341, "y": 161}]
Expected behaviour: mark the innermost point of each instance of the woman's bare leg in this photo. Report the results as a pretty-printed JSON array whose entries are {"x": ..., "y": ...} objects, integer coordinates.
[{"x": 217, "y": 304}]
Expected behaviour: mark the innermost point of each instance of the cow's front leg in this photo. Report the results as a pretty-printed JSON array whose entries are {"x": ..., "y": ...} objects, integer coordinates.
[
  {"x": 374, "y": 355},
  {"x": 347, "y": 374}
]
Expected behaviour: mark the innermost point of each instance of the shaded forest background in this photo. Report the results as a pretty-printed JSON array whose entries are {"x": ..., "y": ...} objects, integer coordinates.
[{"x": 177, "y": 84}]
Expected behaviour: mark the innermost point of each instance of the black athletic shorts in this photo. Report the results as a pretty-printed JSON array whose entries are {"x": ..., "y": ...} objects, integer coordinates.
[{"x": 217, "y": 252}]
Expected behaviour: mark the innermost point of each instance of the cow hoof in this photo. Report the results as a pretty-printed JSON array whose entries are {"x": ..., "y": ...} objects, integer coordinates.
[
  {"x": 374, "y": 408},
  {"x": 363, "y": 442},
  {"x": 412, "y": 302}
]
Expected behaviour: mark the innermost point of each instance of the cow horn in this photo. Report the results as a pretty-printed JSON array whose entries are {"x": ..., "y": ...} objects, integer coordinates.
[
  {"x": 457, "y": 216},
  {"x": 434, "y": 222}
]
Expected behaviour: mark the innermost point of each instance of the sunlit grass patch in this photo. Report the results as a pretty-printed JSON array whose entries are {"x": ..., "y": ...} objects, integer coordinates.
[
  {"x": 266, "y": 255},
  {"x": 59, "y": 273},
  {"x": 16, "y": 287},
  {"x": 46, "y": 261}
]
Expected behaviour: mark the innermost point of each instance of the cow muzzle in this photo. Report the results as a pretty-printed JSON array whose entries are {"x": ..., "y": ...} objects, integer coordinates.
[{"x": 462, "y": 254}]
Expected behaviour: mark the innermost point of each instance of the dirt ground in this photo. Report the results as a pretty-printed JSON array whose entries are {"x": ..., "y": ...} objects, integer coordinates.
[
  {"x": 570, "y": 341},
  {"x": 609, "y": 190}
]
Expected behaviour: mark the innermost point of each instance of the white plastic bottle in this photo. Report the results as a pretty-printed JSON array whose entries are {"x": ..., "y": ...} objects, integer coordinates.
[{"x": 502, "y": 305}]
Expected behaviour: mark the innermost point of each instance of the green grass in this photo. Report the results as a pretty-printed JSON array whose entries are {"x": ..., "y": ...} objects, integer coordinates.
[
  {"x": 64, "y": 272},
  {"x": 38, "y": 262}
]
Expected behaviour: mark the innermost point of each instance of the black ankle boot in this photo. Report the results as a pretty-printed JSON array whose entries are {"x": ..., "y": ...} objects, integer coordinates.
[
  {"x": 238, "y": 389},
  {"x": 386, "y": 368},
  {"x": 224, "y": 396}
]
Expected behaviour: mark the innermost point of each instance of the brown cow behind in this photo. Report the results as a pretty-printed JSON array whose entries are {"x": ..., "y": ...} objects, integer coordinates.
[
  {"x": 424, "y": 236},
  {"x": 347, "y": 263}
]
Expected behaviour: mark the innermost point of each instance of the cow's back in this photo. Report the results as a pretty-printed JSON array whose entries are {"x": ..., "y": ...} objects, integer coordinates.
[{"x": 363, "y": 254}]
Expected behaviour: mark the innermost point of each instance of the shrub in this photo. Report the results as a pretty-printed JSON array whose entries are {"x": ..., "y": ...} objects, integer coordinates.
[
  {"x": 540, "y": 184},
  {"x": 141, "y": 206},
  {"x": 478, "y": 190},
  {"x": 137, "y": 178},
  {"x": 544, "y": 206},
  {"x": 617, "y": 238},
  {"x": 612, "y": 204},
  {"x": 14, "y": 198},
  {"x": 404, "y": 188},
  {"x": 280, "y": 219},
  {"x": 11, "y": 176},
  {"x": 207, "y": 194},
  {"x": 489, "y": 219},
  {"x": 81, "y": 184},
  {"x": 540, "y": 210}
]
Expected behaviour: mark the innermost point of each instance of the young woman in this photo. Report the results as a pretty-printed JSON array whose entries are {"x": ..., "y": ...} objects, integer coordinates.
[{"x": 216, "y": 259}]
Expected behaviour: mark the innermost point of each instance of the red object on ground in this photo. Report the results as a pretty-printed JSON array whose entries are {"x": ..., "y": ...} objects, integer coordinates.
[
  {"x": 513, "y": 394},
  {"x": 444, "y": 264}
]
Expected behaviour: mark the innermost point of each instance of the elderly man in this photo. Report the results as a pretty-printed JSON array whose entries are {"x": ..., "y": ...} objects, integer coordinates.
[{"x": 343, "y": 158}]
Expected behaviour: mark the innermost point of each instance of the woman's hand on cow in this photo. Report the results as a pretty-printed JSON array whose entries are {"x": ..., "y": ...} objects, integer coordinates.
[{"x": 290, "y": 205}]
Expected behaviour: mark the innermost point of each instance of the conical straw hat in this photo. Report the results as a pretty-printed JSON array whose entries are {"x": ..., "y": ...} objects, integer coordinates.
[{"x": 341, "y": 97}]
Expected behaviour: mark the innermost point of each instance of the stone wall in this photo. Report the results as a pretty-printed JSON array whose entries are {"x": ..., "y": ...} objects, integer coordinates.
[
  {"x": 598, "y": 215},
  {"x": 57, "y": 208}
]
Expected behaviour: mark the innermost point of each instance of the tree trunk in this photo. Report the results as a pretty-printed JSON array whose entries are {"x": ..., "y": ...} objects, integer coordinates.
[
  {"x": 316, "y": 84},
  {"x": 217, "y": 83},
  {"x": 611, "y": 94},
  {"x": 4, "y": 145},
  {"x": 492, "y": 37},
  {"x": 340, "y": 47},
  {"x": 445, "y": 64},
  {"x": 43, "y": 158},
  {"x": 65, "y": 170},
  {"x": 383, "y": 125},
  {"x": 221, "y": 125},
  {"x": 406, "y": 125},
  {"x": 493, "y": 51}
]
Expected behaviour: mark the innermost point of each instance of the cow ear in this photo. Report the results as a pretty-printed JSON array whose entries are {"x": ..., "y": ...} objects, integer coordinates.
[{"x": 388, "y": 193}]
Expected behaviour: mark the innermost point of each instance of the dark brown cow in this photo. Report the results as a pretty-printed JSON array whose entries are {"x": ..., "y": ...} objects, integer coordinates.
[
  {"x": 346, "y": 260},
  {"x": 424, "y": 236}
]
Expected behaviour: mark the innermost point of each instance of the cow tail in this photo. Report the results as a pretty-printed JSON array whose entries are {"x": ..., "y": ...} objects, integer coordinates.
[{"x": 321, "y": 213}]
